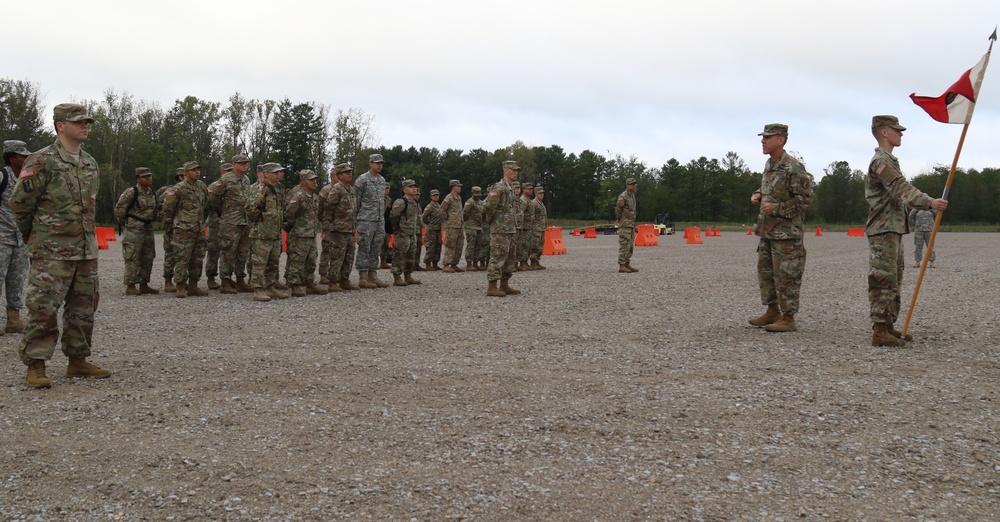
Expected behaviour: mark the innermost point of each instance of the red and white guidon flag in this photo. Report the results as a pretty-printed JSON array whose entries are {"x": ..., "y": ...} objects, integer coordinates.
[{"x": 955, "y": 105}]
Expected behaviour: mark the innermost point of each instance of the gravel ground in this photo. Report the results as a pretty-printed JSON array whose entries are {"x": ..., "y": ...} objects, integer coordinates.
[{"x": 592, "y": 396}]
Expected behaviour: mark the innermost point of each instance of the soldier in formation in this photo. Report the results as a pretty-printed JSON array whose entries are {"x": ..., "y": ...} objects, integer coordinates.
[
  {"x": 184, "y": 207},
  {"x": 625, "y": 219},
  {"x": 264, "y": 211},
  {"x": 228, "y": 197},
  {"x": 302, "y": 224},
  {"x": 538, "y": 226},
  {"x": 405, "y": 219},
  {"x": 525, "y": 232},
  {"x": 339, "y": 219},
  {"x": 385, "y": 254},
  {"x": 135, "y": 212},
  {"x": 472, "y": 217},
  {"x": 370, "y": 193},
  {"x": 13, "y": 250},
  {"x": 432, "y": 219},
  {"x": 169, "y": 260},
  {"x": 451, "y": 213},
  {"x": 212, "y": 241},
  {"x": 500, "y": 213}
]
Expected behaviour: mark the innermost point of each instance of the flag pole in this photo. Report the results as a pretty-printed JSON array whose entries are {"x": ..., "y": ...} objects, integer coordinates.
[{"x": 947, "y": 186}]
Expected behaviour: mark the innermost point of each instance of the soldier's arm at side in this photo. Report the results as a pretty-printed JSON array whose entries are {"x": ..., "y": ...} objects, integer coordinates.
[
  {"x": 24, "y": 200},
  {"x": 123, "y": 201}
]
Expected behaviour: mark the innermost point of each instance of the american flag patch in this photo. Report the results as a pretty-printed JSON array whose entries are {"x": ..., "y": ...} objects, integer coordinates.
[
  {"x": 880, "y": 169},
  {"x": 27, "y": 173}
]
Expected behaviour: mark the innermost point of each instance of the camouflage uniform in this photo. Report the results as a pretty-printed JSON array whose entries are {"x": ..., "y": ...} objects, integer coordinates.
[
  {"x": 419, "y": 236},
  {"x": 923, "y": 225},
  {"x": 888, "y": 194},
  {"x": 212, "y": 245},
  {"x": 625, "y": 215},
  {"x": 138, "y": 246},
  {"x": 472, "y": 217},
  {"x": 13, "y": 250},
  {"x": 454, "y": 238},
  {"x": 538, "y": 227},
  {"x": 169, "y": 260},
  {"x": 228, "y": 196},
  {"x": 264, "y": 210},
  {"x": 525, "y": 233},
  {"x": 781, "y": 255},
  {"x": 302, "y": 224},
  {"x": 370, "y": 194},
  {"x": 500, "y": 213},
  {"x": 483, "y": 244},
  {"x": 340, "y": 220},
  {"x": 385, "y": 255},
  {"x": 432, "y": 218},
  {"x": 184, "y": 207},
  {"x": 324, "y": 242},
  {"x": 405, "y": 216},
  {"x": 54, "y": 203}
]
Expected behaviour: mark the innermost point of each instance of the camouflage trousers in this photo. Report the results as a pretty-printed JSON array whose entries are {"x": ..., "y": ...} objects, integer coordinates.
[
  {"x": 234, "y": 247},
  {"x": 214, "y": 247},
  {"x": 264, "y": 258},
  {"x": 300, "y": 268},
  {"x": 419, "y": 241},
  {"x": 70, "y": 285},
  {"x": 370, "y": 237},
  {"x": 919, "y": 240},
  {"x": 324, "y": 256},
  {"x": 432, "y": 246},
  {"x": 885, "y": 271},
  {"x": 472, "y": 244},
  {"x": 454, "y": 240},
  {"x": 626, "y": 242},
  {"x": 537, "y": 244},
  {"x": 483, "y": 246},
  {"x": 169, "y": 260},
  {"x": 404, "y": 248},
  {"x": 503, "y": 253},
  {"x": 341, "y": 260},
  {"x": 780, "y": 265},
  {"x": 189, "y": 254},
  {"x": 13, "y": 271},
  {"x": 524, "y": 238},
  {"x": 139, "y": 251},
  {"x": 385, "y": 254}
]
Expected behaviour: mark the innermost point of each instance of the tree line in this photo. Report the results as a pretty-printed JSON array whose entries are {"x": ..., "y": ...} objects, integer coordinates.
[{"x": 131, "y": 132}]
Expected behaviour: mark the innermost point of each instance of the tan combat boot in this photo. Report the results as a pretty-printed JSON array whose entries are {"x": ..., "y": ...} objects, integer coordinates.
[
  {"x": 298, "y": 291},
  {"x": 771, "y": 315},
  {"x": 227, "y": 286},
  {"x": 539, "y": 265},
  {"x": 168, "y": 285},
  {"x": 470, "y": 267},
  {"x": 429, "y": 267},
  {"x": 212, "y": 283},
  {"x": 785, "y": 324},
  {"x": 193, "y": 290},
  {"x": 281, "y": 286},
  {"x": 457, "y": 268},
  {"x": 14, "y": 322},
  {"x": 410, "y": 280},
  {"x": 345, "y": 284},
  {"x": 493, "y": 291},
  {"x": 274, "y": 293},
  {"x": 622, "y": 269},
  {"x": 36, "y": 377},
  {"x": 631, "y": 268},
  {"x": 144, "y": 288},
  {"x": 333, "y": 287},
  {"x": 448, "y": 269},
  {"x": 417, "y": 267},
  {"x": 260, "y": 295},
  {"x": 79, "y": 367},
  {"x": 517, "y": 266},
  {"x": 899, "y": 335},
  {"x": 131, "y": 290},
  {"x": 505, "y": 287},
  {"x": 181, "y": 291},
  {"x": 882, "y": 337},
  {"x": 397, "y": 280},
  {"x": 373, "y": 279},
  {"x": 242, "y": 286},
  {"x": 314, "y": 289},
  {"x": 364, "y": 282}
]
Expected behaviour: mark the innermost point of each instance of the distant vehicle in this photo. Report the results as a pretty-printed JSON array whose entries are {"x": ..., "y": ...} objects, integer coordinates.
[
  {"x": 663, "y": 225},
  {"x": 609, "y": 230}
]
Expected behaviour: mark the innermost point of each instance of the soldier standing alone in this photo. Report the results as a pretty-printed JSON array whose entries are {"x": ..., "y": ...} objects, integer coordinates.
[
  {"x": 625, "y": 217},
  {"x": 135, "y": 212}
]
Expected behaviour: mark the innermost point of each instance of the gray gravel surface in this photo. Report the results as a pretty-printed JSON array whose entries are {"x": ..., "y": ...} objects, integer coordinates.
[{"x": 592, "y": 396}]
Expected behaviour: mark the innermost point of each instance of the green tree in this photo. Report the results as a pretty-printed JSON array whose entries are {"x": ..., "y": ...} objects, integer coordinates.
[{"x": 22, "y": 114}]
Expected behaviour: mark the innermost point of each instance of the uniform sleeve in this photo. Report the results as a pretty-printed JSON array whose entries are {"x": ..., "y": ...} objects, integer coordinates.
[
  {"x": 293, "y": 205},
  {"x": 169, "y": 208},
  {"x": 216, "y": 191},
  {"x": 122, "y": 204},
  {"x": 620, "y": 207},
  {"x": 800, "y": 187},
  {"x": 255, "y": 202},
  {"x": 897, "y": 186},
  {"x": 24, "y": 200}
]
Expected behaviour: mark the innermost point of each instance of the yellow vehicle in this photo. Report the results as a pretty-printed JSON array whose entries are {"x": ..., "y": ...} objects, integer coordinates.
[{"x": 663, "y": 225}]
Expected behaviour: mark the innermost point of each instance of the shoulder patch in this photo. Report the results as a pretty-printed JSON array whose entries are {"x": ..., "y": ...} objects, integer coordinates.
[
  {"x": 170, "y": 191},
  {"x": 293, "y": 200},
  {"x": 880, "y": 169},
  {"x": 27, "y": 173}
]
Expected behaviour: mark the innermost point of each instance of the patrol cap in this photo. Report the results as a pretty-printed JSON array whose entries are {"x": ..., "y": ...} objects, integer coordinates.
[
  {"x": 526, "y": 185},
  {"x": 307, "y": 174},
  {"x": 775, "y": 129},
  {"x": 375, "y": 158},
  {"x": 539, "y": 190},
  {"x": 630, "y": 181},
  {"x": 435, "y": 192},
  {"x": 409, "y": 183},
  {"x": 191, "y": 165},
  {"x": 225, "y": 167},
  {"x": 511, "y": 165},
  {"x": 886, "y": 120},
  {"x": 179, "y": 174},
  {"x": 454, "y": 183},
  {"x": 240, "y": 158},
  {"x": 476, "y": 191},
  {"x": 16, "y": 147},
  {"x": 516, "y": 184},
  {"x": 71, "y": 112},
  {"x": 273, "y": 167},
  {"x": 341, "y": 168},
  {"x": 142, "y": 171}
]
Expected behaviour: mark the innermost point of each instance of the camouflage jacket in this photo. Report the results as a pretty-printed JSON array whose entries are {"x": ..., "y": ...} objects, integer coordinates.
[
  {"x": 228, "y": 197},
  {"x": 54, "y": 202},
  {"x": 625, "y": 210},
  {"x": 301, "y": 219},
  {"x": 339, "y": 211},
  {"x": 405, "y": 216},
  {"x": 431, "y": 216},
  {"x": 370, "y": 194},
  {"x": 499, "y": 211},
  {"x": 888, "y": 194},
  {"x": 143, "y": 212},
  {"x": 541, "y": 216},
  {"x": 529, "y": 212},
  {"x": 451, "y": 211},
  {"x": 9, "y": 234},
  {"x": 788, "y": 186},
  {"x": 184, "y": 206},
  {"x": 472, "y": 215},
  {"x": 264, "y": 212},
  {"x": 922, "y": 220}
]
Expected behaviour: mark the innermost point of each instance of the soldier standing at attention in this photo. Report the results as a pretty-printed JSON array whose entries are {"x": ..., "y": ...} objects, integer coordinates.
[
  {"x": 169, "y": 261},
  {"x": 483, "y": 247},
  {"x": 420, "y": 234},
  {"x": 228, "y": 196},
  {"x": 538, "y": 227},
  {"x": 785, "y": 193},
  {"x": 888, "y": 194},
  {"x": 13, "y": 251},
  {"x": 431, "y": 217},
  {"x": 500, "y": 213},
  {"x": 518, "y": 216},
  {"x": 923, "y": 224},
  {"x": 405, "y": 219},
  {"x": 324, "y": 242},
  {"x": 451, "y": 213},
  {"x": 625, "y": 220},
  {"x": 135, "y": 212},
  {"x": 340, "y": 220},
  {"x": 370, "y": 190},
  {"x": 54, "y": 202},
  {"x": 264, "y": 210},
  {"x": 184, "y": 207},
  {"x": 526, "y": 232},
  {"x": 212, "y": 242},
  {"x": 472, "y": 217},
  {"x": 302, "y": 224},
  {"x": 385, "y": 254}
]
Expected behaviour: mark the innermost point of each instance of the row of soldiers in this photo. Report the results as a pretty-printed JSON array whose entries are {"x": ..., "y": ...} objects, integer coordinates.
[{"x": 245, "y": 222}]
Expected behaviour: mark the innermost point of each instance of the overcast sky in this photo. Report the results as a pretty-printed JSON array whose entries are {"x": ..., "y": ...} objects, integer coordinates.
[{"x": 653, "y": 79}]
